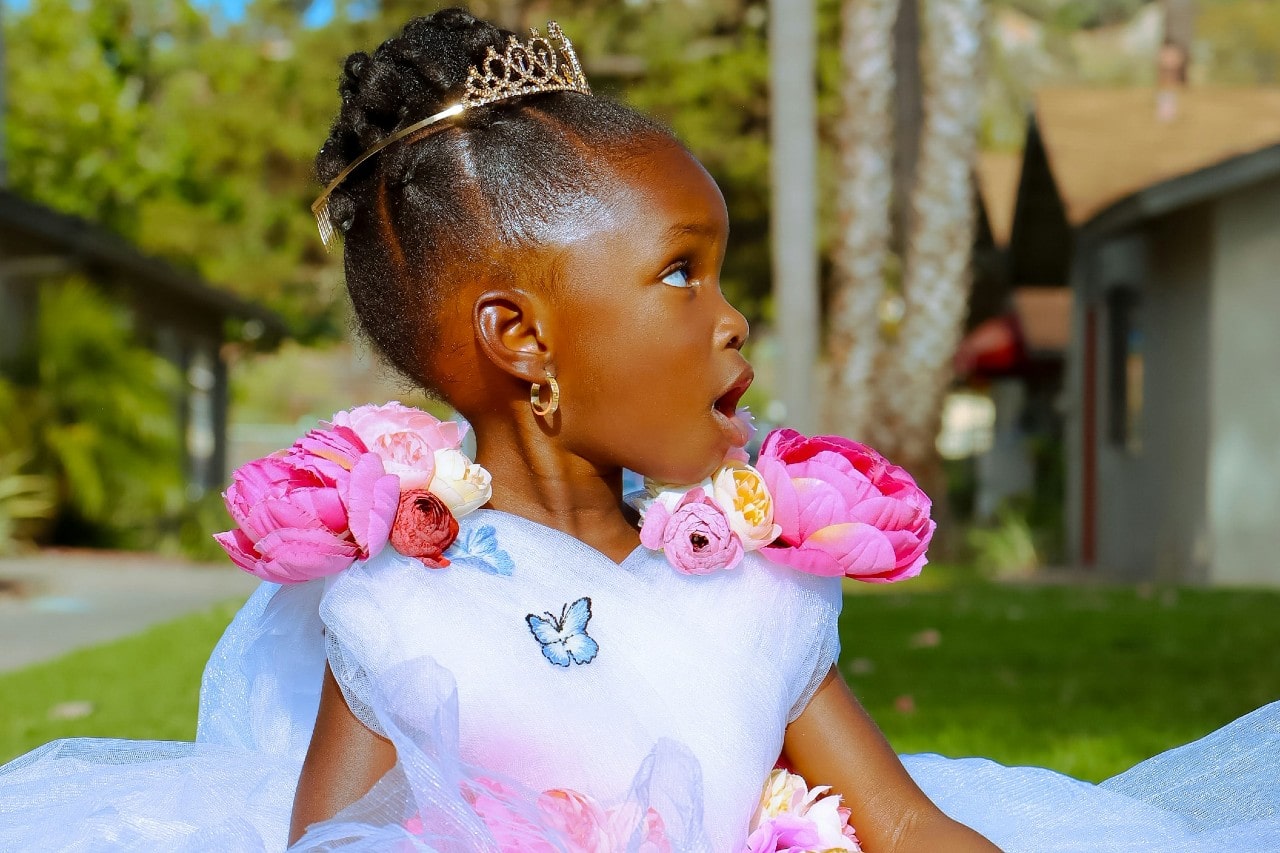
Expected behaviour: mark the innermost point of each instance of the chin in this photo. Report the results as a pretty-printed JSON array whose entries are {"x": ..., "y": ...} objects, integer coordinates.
[
  {"x": 701, "y": 453},
  {"x": 696, "y": 472}
]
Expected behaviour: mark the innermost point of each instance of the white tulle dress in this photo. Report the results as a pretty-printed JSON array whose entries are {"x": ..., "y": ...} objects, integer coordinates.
[{"x": 534, "y": 662}]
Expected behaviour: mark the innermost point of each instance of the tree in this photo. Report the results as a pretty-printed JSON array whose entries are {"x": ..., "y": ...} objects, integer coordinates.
[
  {"x": 864, "y": 191},
  {"x": 936, "y": 280},
  {"x": 193, "y": 142},
  {"x": 893, "y": 336}
]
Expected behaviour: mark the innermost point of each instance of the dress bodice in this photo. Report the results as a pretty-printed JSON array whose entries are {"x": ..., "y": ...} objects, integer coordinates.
[{"x": 717, "y": 664}]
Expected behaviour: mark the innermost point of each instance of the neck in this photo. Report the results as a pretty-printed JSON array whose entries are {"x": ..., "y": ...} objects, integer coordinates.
[{"x": 533, "y": 477}]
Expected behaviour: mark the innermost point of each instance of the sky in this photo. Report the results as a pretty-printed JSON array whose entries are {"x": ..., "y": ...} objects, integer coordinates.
[
  {"x": 320, "y": 11},
  {"x": 232, "y": 10}
]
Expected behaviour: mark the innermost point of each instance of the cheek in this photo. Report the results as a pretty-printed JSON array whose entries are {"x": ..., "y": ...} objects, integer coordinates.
[
  {"x": 633, "y": 374},
  {"x": 652, "y": 366},
  {"x": 617, "y": 339}
]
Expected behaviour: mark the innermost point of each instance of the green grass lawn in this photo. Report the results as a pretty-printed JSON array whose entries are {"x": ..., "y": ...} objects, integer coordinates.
[
  {"x": 1081, "y": 679},
  {"x": 1085, "y": 680}
]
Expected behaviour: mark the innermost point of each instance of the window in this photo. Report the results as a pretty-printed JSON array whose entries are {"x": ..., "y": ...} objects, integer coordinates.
[{"x": 1125, "y": 368}]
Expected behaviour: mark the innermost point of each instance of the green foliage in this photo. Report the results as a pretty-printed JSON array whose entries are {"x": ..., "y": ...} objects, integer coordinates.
[
  {"x": 200, "y": 519},
  {"x": 26, "y": 500},
  {"x": 95, "y": 416},
  {"x": 1069, "y": 15},
  {"x": 1241, "y": 40},
  {"x": 1006, "y": 548},
  {"x": 195, "y": 144}
]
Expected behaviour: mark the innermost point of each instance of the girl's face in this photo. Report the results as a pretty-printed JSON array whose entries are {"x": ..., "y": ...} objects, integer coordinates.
[{"x": 647, "y": 350}]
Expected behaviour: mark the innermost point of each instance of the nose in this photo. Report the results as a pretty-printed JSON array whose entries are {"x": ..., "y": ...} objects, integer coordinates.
[{"x": 733, "y": 329}]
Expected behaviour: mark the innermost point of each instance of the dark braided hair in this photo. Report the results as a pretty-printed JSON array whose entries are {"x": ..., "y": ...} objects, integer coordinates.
[{"x": 420, "y": 217}]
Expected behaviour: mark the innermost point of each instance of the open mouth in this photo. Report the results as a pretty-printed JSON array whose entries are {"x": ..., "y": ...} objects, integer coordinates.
[{"x": 725, "y": 408}]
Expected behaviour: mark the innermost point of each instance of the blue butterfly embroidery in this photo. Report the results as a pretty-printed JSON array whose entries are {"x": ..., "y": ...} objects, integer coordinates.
[
  {"x": 565, "y": 640},
  {"x": 480, "y": 549}
]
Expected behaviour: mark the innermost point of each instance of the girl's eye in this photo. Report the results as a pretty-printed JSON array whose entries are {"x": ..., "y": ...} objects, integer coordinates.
[{"x": 678, "y": 277}]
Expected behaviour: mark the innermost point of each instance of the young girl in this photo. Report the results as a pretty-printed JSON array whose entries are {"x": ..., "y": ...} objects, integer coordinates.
[{"x": 454, "y": 661}]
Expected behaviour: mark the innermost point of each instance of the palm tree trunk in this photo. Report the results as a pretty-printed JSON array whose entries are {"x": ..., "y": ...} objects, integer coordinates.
[
  {"x": 864, "y": 138},
  {"x": 937, "y": 278}
]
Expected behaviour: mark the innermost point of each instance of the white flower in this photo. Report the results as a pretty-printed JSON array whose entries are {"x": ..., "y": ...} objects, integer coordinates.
[
  {"x": 825, "y": 812},
  {"x": 783, "y": 792},
  {"x": 463, "y": 485}
]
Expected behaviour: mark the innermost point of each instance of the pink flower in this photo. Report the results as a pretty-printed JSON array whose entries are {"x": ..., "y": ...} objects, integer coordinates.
[
  {"x": 310, "y": 511},
  {"x": 405, "y": 438},
  {"x": 748, "y": 420},
  {"x": 584, "y": 825},
  {"x": 795, "y": 818},
  {"x": 695, "y": 535},
  {"x": 563, "y": 820},
  {"x": 498, "y": 806},
  {"x": 653, "y": 831},
  {"x": 844, "y": 509},
  {"x": 783, "y": 833}
]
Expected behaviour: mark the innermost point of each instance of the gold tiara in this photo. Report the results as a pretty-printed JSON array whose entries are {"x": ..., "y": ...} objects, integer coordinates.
[{"x": 542, "y": 64}]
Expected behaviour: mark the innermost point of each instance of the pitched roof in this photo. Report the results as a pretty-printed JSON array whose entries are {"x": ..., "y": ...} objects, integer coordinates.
[
  {"x": 1106, "y": 144},
  {"x": 998, "y": 175},
  {"x": 88, "y": 243}
]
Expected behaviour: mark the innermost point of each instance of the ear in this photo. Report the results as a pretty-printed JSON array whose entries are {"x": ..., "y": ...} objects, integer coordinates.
[{"x": 511, "y": 327}]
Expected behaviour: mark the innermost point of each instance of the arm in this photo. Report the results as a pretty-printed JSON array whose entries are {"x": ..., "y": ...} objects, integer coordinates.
[
  {"x": 833, "y": 742},
  {"x": 344, "y": 761}
]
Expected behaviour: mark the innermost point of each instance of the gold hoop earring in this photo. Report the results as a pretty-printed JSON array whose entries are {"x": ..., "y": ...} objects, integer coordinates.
[{"x": 545, "y": 410}]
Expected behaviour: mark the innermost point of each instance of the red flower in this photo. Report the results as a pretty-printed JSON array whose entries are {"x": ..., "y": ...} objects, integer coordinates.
[{"x": 424, "y": 528}]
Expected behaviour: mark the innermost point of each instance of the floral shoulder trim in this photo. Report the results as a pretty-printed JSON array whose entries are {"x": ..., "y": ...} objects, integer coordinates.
[
  {"x": 391, "y": 474},
  {"x": 824, "y": 505},
  {"x": 373, "y": 476}
]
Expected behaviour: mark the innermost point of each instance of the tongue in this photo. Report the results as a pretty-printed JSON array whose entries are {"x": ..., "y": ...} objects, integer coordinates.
[{"x": 741, "y": 430}]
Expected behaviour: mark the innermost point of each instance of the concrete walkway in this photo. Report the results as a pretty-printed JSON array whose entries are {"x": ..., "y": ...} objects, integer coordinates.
[{"x": 53, "y": 602}]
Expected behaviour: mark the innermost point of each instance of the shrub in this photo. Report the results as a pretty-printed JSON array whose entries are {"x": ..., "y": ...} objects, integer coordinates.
[{"x": 92, "y": 417}]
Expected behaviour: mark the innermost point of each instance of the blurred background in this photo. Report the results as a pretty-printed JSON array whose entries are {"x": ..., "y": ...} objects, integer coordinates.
[
  {"x": 1034, "y": 293},
  {"x": 1027, "y": 248}
]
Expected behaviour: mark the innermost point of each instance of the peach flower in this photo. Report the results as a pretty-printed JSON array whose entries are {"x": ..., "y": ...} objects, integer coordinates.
[{"x": 741, "y": 492}]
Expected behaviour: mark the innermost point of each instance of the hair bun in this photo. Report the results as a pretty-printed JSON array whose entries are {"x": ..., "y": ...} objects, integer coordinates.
[
  {"x": 352, "y": 72},
  {"x": 410, "y": 76}
]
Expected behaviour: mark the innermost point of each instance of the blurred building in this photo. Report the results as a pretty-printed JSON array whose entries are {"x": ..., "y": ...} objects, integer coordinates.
[
  {"x": 1156, "y": 215},
  {"x": 179, "y": 315},
  {"x": 1011, "y": 361}
]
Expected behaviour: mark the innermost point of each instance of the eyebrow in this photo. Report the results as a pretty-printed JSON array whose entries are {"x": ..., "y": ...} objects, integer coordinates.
[{"x": 697, "y": 229}]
